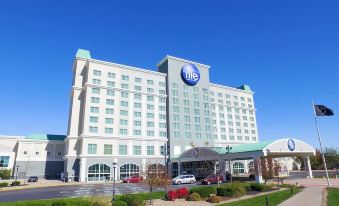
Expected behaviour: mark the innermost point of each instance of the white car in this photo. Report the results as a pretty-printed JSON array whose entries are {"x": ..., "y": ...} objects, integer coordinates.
[{"x": 182, "y": 179}]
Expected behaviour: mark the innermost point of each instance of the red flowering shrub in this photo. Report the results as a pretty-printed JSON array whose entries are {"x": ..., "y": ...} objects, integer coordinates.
[
  {"x": 182, "y": 192},
  {"x": 171, "y": 195}
]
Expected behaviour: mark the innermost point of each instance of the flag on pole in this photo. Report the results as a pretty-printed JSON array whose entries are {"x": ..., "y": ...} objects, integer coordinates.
[{"x": 321, "y": 110}]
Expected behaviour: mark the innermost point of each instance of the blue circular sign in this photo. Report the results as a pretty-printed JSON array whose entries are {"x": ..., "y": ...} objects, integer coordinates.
[
  {"x": 291, "y": 145},
  {"x": 190, "y": 74}
]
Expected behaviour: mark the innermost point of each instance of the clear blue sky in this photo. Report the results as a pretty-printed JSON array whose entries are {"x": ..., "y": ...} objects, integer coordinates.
[{"x": 287, "y": 51}]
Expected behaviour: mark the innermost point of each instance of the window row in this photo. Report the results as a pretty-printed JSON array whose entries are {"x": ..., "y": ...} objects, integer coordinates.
[{"x": 123, "y": 149}]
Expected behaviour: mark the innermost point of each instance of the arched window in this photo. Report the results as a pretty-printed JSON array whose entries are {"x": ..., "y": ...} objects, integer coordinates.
[
  {"x": 129, "y": 170},
  {"x": 238, "y": 168},
  {"x": 99, "y": 172}
]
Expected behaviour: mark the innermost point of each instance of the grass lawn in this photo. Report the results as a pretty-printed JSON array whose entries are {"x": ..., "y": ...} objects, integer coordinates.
[
  {"x": 273, "y": 199},
  {"x": 332, "y": 196},
  {"x": 78, "y": 201}
]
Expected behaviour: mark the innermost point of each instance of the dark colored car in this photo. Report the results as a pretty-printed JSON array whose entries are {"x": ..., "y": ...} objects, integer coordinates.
[
  {"x": 33, "y": 179},
  {"x": 133, "y": 179},
  {"x": 212, "y": 180}
]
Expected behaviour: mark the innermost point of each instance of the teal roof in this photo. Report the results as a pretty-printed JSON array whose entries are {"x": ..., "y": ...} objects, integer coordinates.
[
  {"x": 251, "y": 147},
  {"x": 46, "y": 137},
  {"x": 83, "y": 54},
  {"x": 245, "y": 87}
]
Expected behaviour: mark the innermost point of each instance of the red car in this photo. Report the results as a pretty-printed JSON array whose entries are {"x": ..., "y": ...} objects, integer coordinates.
[
  {"x": 212, "y": 180},
  {"x": 133, "y": 179}
]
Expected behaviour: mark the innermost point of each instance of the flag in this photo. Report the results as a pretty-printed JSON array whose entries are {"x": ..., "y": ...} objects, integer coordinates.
[{"x": 321, "y": 110}]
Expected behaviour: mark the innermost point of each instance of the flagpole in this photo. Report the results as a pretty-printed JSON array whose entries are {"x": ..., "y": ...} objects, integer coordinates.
[{"x": 321, "y": 147}]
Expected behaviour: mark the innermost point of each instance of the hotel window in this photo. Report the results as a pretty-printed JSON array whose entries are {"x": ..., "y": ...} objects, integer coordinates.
[
  {"x": 162, "y": 92},
  {"x": 93, "y": 119},
  {"x": 176, "y": 117},
  {"x": 109, "y": 102},
  {"x": 93, "y": 129},
  {"x": 137, "y": 114},
  {"x": 48, "y": 153},
  {"x": 187, "y": 118},
  {"x": 124, "y": 86},
  {"x": 207, "y": 128},
  {"x": 222, "y": 129},
  {"x": 162, "y": 125},
  {"x": 227, "y": 96},
  {"x": 254, "y": 139},
  {"x": 195, "y": 89},
  {"x": 250, "y": 106},
  {"x": 96, "y": 81},
  {"x": 198, "y": 135},
  {"x": 107, "y": 149},
  {"x": 196, "y": 104},
  {"x": 150, "y": 150},
  {"x": 235, "y": 97},
  {"x": 208, "y": 136},
  {"x": 162, "y": 116},
  {"x": 174, "y": 85},
  {"x": 137, "y": 105},
  {"x": 94, "y": 109},
  {"x": 197, "y": 119},
  {"x": 123, "y": 131},
  {"x": 186, "y": 94},
  {"x": 236, "y": 111},
  {"x": 207, "y": 120},
  {"x": 162, "y": 84},
  {"x": 243, "y": 105},
  {"x": 239, "y": 131},
  {"x": 187, "y": 134},
  {"x": 124, "y": 94},
  {"x": 163, "y": 134},
  {"x": 230, "y": 130},
  {"x": 252, "y": 125},
  {"x": 95, "y": 100},
  {"x": 197, "y": 127},
  {"x": 221, "y": 115},
  {"x": 162, "y": 108},
  {"x": 124, "y": 77},
  {"x": 25, "y": 152},
  {"x": 137, "y": 88},
  {"x": 137, "y": 123},
  {"x": 137, "y": 96},
  {"x": 238, "y": 124},
  {"x": 219, "y": 95},
  {"x": 177, "y": 134},
  {"x": 137, "y": 80},
  {"x": 150, "y": 115},
  {"x": 175, "y": 101},
  {"x": 239, "y": 138},
  {"x": 110, "y": 92},
  {"x": 231, "y": 137},
  {"x": 176, "y": 125},
  {"x": 228, "y": 102},
  {"x": 122, "y": 149},
  {"x": 250, "y": 112},
  {"x": 109, "y": 111},
  {"x": 229, "y": 109},
  {"x": 137, "y": 132},
  {"x": 111, "y": 75},
  {"x": 253, "y": 131},
  {"x": 150, "y": 82},
  {"x": 249, "y": 99},
  {"x": 187, "y": 127},
  {"x": 185, "y": 87},
  {"x": 108, "y": 120},
  {"x": 212, "y": 93},
  {"x": 150, "y": 98},
  {"x": 150, "y": 133},
  {"x": 242, "y": 98},
  {"x": 236, "y": 104},
  {"x": 37, "y": 153},
  {"x": 196, "y": 111},
  {"x": 247, "y": 138},
  {"x": 123, "y": 103},
  {"x": 150, "y": 90},
  {"x": 237, "y": 117},
  {"x": 162, "y": 100},
  {"x": 95, "y": 91},
  {"x": 92, "y": 149},
  {"x": 108, "y": 130},
  {"x": 229, "y": 116},
  {"x": 186, "y": 110},
  {"x": 123, "y": 122},
  {"x": 222, "y": 122},
  {"x": 110, "y": 84},
  {"x": 96, "y": 73},
  {"x": 220, "y": 101},
  {"x": 204, "y": 90},
  {"x": 246, "y": 131},
  {"x": 186, "y": 103},
  {"x": 176, "y": 109},
  {"x": 223, "y": 136},
  {"x": 123, "y": 112},
  {"x": 196, "y": 96},
  {"x": 150, "y": 124},
  {"x": 244, "y": 118},
  {"x": 136, "y": 150},
  {"x": 206, "y": 98}
]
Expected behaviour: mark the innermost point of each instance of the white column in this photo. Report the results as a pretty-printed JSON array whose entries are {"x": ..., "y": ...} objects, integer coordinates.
[
  {"x": 257, "y": 166},
  {"x": 82, "y": 172},
  {"x": 179, "y": 169},
  {"x": 308, "y": 167},
  {"x": 246, "y": 166}
]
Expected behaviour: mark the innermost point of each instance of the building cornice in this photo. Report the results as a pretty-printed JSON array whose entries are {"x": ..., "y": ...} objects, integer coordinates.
[
  {"x": 230, "y": 88},
  {"x": 182, "y": 60},
  {"x": 83, "y": 136}
]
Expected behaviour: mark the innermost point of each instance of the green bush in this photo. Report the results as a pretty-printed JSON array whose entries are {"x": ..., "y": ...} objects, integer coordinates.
[
  {"x": 214, "y": 199},
  {"x": 269, "y": 186},
  {"x": 132, "y": 199},
  {"x": 258, "y": 187},
  {"x": 235, "y": 189},
  {"x": 119, "y": 203},
  {"x": 247, "y": 186},
  {"x": 3, "y": 184},
  {"x": 5, "y": 174},
  {"x": 15, "y": 183},
  {"x": 194, "y": 197},
  {"x": 71, "y": 202},
  {"x": 203, "y": 191}
]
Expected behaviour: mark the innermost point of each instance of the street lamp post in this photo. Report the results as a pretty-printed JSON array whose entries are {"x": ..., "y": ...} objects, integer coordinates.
[
  {"x": 228, "y": 148},
  {"x": 114, "y": 167},
  {"x": 17, "y": 170}
]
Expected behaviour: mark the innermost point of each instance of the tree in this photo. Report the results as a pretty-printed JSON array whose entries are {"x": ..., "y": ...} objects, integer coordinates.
[{"x": 5, "y": 174}]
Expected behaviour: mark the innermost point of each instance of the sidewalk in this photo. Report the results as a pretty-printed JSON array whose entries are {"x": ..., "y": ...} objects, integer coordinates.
[{"x": 312, "y": 196}]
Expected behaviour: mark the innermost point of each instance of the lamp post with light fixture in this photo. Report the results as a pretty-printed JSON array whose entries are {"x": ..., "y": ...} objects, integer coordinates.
[{"x": 114, "y": 167}]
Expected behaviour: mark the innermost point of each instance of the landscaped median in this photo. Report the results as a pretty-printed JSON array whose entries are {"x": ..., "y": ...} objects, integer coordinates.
[
  {"x": 229, "y": 194},
  {"x": 332, "y": 196}
]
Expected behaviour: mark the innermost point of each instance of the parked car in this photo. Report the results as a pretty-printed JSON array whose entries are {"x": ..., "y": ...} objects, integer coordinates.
[
  {"x": 33, "y": 179},
  {"x": 133, "y": 179},
  {"x": 212, "y": 180},
  {"x": 182, "y": 179}
]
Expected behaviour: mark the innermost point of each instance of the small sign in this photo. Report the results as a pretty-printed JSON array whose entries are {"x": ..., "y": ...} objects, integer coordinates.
[{"x": 291, "y": 145}]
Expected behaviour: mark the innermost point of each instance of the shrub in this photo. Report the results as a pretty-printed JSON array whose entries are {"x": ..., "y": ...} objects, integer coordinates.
[
  {"x": 258, "y": 187},
  {"x": 100, "y": 201},
  {"x": 15, "y": 183},
  {"x": 203, "y": 191},
  {"x": 235, "y": 189},
  {"x": 171, "y": 195},
  {"x": 194, "y": 197},
  {"x": 247, "y": 186},
  {"x": 119, "y": 203},
  {"x": 5, "y": 174},
  {"x": 214, "y": 199},
  {"x": 182, "y": 192},
  {"x": 71, "y": 202},
  {"x": 269, "y": 186},
  {"x": 132, "y": 199},
  {"x": 3, "y": 184}
]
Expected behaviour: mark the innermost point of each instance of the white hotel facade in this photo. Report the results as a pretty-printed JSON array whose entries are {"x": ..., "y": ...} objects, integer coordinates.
[{"x": 126, "y": 115}]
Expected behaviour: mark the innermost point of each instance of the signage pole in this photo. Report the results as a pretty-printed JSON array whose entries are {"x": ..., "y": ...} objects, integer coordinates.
[{"x": 321, "y": 147}]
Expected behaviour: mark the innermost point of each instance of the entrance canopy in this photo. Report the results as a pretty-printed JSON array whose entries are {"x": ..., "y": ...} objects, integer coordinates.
[{"x": 276, "y": 148}]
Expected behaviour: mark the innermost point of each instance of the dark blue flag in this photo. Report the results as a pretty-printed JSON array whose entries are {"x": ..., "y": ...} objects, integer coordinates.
[{"x": 321, "y": 110}]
